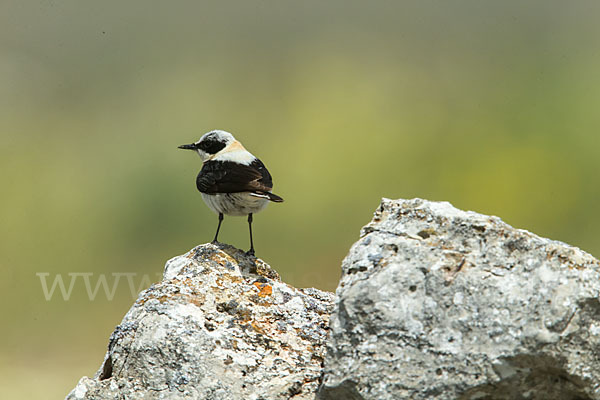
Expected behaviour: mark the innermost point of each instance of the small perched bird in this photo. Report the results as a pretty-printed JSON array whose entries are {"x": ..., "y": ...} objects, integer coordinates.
[{"x": 232, "y": 181}]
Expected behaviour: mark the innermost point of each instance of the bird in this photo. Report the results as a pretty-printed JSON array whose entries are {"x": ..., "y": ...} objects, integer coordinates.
[{"x": 232, "y": 181}]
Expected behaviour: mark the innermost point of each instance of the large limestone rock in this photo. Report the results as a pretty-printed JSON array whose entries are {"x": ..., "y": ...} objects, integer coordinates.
[
  {"x": 437, "y": 303},
  {"x": 220, "y": 325}
]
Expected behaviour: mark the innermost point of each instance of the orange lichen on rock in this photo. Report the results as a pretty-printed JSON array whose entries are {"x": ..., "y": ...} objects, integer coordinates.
[{"x": 264, "y": 289}]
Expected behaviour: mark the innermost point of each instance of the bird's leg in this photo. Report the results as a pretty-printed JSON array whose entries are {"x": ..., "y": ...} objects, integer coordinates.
[
  {"x": 251, "y": 251},
  {"x": 215, "y": 241}
]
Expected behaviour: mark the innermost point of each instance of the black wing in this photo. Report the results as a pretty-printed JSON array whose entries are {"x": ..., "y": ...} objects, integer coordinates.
[{"x": 232, "y": 177}]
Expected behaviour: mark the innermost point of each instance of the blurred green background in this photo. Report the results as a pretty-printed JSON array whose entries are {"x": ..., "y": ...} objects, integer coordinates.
[{"x": 492, "y": 106}]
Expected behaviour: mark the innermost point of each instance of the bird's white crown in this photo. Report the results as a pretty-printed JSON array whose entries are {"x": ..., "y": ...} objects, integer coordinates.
[{"x": 217, "y": 136}]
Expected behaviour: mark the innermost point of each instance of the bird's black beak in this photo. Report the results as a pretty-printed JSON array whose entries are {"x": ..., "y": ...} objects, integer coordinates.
[{"x": 188, "y": 146}]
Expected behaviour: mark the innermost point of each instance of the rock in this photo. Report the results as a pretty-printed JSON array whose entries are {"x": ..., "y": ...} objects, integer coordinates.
[
  {"x": 434, "y": 303},
  {"x": 438, "y": 303},
  {"x": 220, "y": 325}
]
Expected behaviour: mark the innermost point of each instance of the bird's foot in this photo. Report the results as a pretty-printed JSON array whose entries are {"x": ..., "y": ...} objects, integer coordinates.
[{"x": 250, "y": 253}]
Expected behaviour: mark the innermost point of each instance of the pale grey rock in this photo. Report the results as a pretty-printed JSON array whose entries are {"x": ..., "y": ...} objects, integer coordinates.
[
  {"x": 438, "y": 303},
  {"x": 220, "y": 325}
]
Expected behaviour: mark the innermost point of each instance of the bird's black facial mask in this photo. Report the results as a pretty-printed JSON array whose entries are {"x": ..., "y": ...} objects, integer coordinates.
[{"x": 210, "y": 145}]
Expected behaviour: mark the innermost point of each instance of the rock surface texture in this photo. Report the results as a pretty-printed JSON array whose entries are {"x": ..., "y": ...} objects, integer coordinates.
[
  {"x": 220, "y": 325},
  {"x": 438, "y": 303}
]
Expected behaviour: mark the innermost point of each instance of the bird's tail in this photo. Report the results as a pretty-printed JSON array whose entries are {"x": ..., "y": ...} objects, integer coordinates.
[
  {"x": 268, "y": 195},
  {"x": 274, "y": 197}
]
